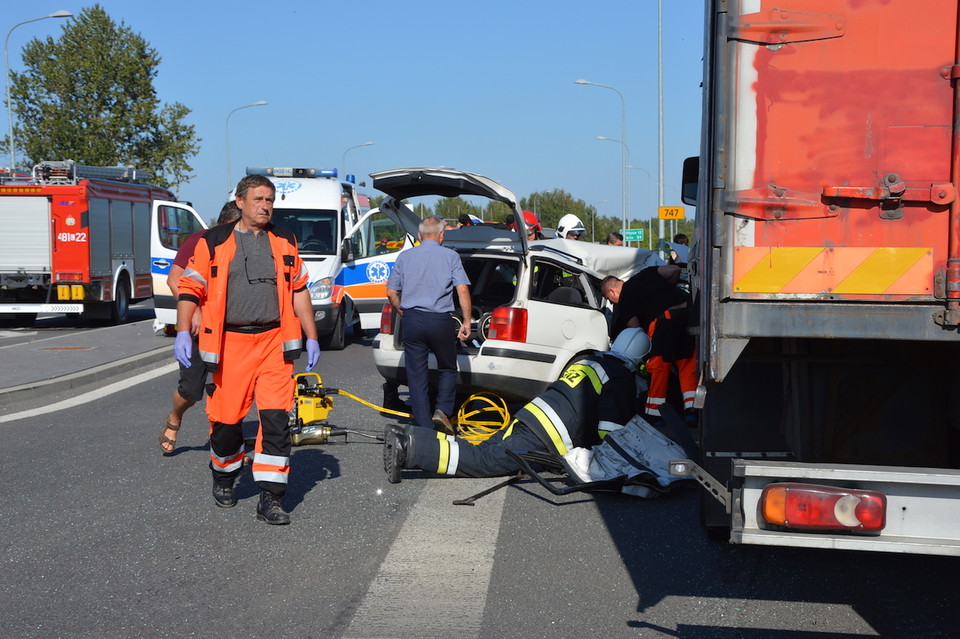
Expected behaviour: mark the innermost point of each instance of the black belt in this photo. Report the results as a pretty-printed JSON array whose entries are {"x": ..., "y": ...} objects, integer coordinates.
[{"x": 251, "y": 328}]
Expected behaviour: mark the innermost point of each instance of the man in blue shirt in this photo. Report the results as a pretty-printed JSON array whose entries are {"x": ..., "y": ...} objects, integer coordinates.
[{"x": 420, "y": 289}]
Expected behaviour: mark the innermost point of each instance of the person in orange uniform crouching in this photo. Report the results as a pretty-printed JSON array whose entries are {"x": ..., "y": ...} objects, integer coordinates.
[
  {"x": 251, "y": 285},
  {"x": 652, "y": 301}
]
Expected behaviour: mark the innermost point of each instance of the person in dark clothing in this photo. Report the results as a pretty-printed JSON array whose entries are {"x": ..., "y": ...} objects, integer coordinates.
[
  {"x": 593, "y": 397},
  {"x": 651, "y": 300}
]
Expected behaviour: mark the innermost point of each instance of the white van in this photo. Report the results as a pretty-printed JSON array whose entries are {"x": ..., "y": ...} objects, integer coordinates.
[{"x": 348, "y": 252}]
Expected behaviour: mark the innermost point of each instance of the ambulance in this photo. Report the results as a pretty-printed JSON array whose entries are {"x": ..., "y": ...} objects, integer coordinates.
[{"x": 348, "y": 248}]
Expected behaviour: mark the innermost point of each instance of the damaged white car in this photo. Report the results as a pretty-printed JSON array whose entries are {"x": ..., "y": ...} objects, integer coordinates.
[{"x": 536, "y": 306}]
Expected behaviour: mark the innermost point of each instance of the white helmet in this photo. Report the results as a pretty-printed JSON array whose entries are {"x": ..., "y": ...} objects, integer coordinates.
[
  {"x": 570, "y": 223},
  {"x": 631, "y": 345}
]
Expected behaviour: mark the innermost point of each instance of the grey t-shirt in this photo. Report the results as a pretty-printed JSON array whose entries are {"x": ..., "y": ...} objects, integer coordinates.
[{"x": 252, "y": 288}]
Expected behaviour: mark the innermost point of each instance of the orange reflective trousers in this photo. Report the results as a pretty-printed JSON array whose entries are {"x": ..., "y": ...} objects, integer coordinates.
[{"x": 252, "y": 369}]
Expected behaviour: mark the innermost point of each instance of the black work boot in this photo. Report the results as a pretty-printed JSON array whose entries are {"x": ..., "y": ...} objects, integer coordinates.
[
  {"x": 270, "y": 510},
  {"x": 395, "y": 444},
  {"x": 224, "y": 495}
]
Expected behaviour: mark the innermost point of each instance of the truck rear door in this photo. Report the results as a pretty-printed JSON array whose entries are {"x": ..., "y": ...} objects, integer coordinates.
[{"x": 849, "y": 192}]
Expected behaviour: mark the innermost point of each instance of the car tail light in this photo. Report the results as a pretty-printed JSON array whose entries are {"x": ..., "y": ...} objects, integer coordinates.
[
  {"x": 386, "y": 319},
  {"x": 823, "y": 508},
  {"x": 509, "y": 324}
]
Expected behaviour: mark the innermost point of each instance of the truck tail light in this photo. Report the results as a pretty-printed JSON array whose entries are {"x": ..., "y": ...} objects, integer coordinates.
[
  {"x": 509, "y": 324},
  {"x": 823, "y": 508},
  {"x": 386, "y": 319}
]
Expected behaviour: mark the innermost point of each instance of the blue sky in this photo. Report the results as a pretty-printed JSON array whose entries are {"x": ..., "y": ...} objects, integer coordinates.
[{"x": 484, "y": 86}]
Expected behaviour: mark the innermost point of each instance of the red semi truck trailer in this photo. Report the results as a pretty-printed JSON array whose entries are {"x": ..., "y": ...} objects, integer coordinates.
[{"x": 826, "y": 274}]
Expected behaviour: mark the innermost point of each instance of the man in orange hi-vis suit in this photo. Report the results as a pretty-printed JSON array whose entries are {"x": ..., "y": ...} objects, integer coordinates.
[
  {"x": 251, "y": 286},
  {"x": 652, "y": 301}
]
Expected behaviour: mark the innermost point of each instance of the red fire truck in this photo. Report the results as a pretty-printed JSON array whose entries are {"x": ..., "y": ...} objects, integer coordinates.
[{"x": 85, "y": 240}]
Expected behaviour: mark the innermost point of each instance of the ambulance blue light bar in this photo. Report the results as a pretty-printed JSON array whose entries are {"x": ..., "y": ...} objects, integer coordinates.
[{"x": 286, "y": 171}]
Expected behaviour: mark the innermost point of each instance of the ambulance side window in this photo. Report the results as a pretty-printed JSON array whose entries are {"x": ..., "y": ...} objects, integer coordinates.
[
  {"x": 378, "y": 235},
  {"x": 175, "y": 224}
]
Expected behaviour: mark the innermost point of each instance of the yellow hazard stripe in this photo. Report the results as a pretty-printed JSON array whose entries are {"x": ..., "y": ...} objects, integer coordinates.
[
  {"x": 548, "y": 426},
  {"x": 817, "y": 270},
  {"x": 878, "y": 272},
  {"x": 780, "y": 266}
]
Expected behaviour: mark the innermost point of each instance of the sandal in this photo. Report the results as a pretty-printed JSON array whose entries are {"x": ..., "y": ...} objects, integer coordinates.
[{"x": 164, "y": 440}]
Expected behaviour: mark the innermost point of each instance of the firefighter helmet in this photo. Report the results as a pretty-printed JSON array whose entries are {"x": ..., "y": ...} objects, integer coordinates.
[
  {"x": 632, "y": 345},
  {"x": 570, "y": 223},
  {"x": 532, "y": 223}
]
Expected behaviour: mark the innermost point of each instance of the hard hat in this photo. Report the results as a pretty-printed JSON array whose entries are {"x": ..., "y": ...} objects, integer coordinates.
[
  {"x": 532, "y": 222},
  {"x": 570, "y": 223},
  {"x": 631, "y": 345},
  {"x": 482, "y": 415}
]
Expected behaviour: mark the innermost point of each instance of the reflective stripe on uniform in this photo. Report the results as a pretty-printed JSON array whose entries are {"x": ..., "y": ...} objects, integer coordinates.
[
  {"x": 449, "y": 457},
  {"x": 272, "y": 468},
  {"x": 552, "y": 424},
  {"x": 293, "y": 344},
  {"x": 605, "y": 428},
  {"x": 229, "y": 463},
  {"x": 191, "y": 274}
]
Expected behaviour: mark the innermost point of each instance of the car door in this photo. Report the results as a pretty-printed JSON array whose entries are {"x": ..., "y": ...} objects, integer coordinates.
[
  {"x": 370, "y": 251},
  {"x": 171, "y": 224}
]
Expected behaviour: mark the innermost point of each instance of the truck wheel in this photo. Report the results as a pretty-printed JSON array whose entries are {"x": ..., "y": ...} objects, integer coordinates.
[
  {"x": 120, "y": 309},
  {"x": 337, "y": 339}
]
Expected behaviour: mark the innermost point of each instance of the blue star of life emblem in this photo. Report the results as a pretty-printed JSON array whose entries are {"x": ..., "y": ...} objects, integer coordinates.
[{"x": 378, "y": 272}]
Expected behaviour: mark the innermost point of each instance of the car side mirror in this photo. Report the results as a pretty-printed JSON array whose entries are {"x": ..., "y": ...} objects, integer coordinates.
[
  {"x": 347, "y": 250},
  {"x": 690, "y": 181}
]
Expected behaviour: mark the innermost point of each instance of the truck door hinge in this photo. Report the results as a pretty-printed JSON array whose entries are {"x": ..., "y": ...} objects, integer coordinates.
[
  {"x": 781, "y": 26},
  {"x": 776, "y": 203},
  {"x": 892, "y": 190}
]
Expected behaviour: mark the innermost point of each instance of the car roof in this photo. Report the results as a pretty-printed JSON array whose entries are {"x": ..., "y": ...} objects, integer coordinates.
[{"x": 620, "y": 261}]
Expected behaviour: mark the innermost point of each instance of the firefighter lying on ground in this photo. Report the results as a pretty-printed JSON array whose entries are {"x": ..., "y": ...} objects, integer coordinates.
[{"x": 593, "y": 396}]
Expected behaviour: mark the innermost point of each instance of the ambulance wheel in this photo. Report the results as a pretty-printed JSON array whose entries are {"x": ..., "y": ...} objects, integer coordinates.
[
  {"x": 337, "y": 339},
  {"x": 120, "y": 309}
]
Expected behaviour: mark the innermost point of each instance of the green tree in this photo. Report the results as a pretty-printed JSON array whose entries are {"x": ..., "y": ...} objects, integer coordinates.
[
  {"x": 89, "y": 97},
  {"x": 451, "y": 208},
  {"x": 550, "y": 206}
]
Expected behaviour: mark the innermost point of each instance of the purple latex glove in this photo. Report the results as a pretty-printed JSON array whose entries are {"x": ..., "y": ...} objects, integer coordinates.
[
  {"x": 183, "y": 348},
  {"x": 313, "y": 353}
]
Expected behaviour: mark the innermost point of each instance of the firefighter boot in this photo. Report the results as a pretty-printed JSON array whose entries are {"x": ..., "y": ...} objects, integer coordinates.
[
  {"x": 270, "y": 510},
  {"x": 224, "y": 495},
  {"x": 395, "y": 445}
]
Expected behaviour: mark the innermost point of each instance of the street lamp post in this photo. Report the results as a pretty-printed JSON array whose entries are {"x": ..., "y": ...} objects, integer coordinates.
[
  {"x": 343, "y": 161},
  {"x": 227, "y": 136},
  {"x": 593, "y": 222},
  {"x": 625, "y": 158},
  {"x": 647, "y": 201},
  {"x": 623, "y": 136},
  {"x": 6, "y": 64}
]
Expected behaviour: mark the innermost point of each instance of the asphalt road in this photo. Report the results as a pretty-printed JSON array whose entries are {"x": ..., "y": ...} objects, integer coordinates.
[{"x": 102, "y": 536}]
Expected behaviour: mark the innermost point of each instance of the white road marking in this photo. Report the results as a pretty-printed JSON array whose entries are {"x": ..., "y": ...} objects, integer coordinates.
[
  {"x": 442, "y": 557},
  {"x": 6, "y": 334},
  {"x": 93, "y": 395}
]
